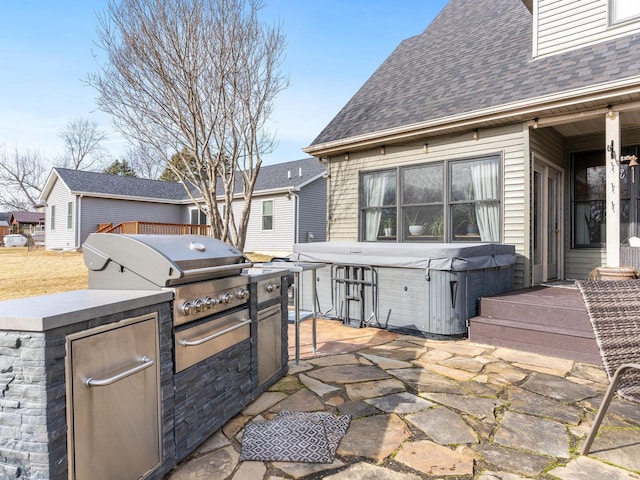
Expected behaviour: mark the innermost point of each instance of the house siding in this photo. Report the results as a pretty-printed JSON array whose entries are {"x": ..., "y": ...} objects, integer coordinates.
[
  {"x": 105, "y": 210},
  {"x": 562, "y": 25},
  {"x": 508, "y": 142},
  {"x": 278, "y": 241},
  {"x": 61, "y": 237},
  {"x": 311, "y": 196}
]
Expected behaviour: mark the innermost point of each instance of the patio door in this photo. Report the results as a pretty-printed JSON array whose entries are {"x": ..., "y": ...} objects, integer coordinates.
[{"x": 547, "y": 222}]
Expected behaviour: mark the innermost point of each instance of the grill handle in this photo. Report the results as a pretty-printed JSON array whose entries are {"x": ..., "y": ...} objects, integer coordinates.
[
  {"x": 217, "y": 269},
  {"x": 146, "y": 363},
  {"x": 200, "y": 341}
]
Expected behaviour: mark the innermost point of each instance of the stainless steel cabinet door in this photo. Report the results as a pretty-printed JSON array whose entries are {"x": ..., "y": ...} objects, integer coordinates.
[
  {"x": 113, "y": 400},
  {"x": 269, "y": 342}
]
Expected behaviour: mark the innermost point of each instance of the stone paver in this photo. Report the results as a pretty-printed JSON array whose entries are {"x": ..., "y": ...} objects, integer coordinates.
[
  {"x": 424, "y": 380},
  {"x": 348, "y": 374},
  {"x": 361, "y": 441},
  {"x": 486, "y": 414},
  {"x": 584, "y": 468},
  {"x": 299, "y": 470},
  {"x": 316, "y": 386},
  {"x": 558, "y": 388},
  {"x": 403, "y": 402},
  {"x": 443, "y": 426},
  {"x": 360, "y": 391},
  {"x": 366, "y": 471},
  {"x": 434, "y": 459},
  {"x": 534, "y": 434}
]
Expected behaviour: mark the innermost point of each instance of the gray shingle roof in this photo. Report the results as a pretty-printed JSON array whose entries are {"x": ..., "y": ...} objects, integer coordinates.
[
  {"x": 475, "y": 54},
  {"x": 270, "y": 177},
  {"x": 80, "y": 181}
]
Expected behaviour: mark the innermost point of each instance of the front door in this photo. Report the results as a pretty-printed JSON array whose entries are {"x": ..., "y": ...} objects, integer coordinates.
[{"x": 547, "y": 224}]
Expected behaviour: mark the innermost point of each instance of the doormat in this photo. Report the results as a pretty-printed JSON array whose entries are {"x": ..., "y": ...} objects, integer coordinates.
[{"x": 294, "y": 437}]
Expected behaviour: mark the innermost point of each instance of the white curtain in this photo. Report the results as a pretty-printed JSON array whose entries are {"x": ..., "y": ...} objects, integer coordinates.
[
  {"x": 374, "y": 197},
  {"x": 484, "y": 176}
]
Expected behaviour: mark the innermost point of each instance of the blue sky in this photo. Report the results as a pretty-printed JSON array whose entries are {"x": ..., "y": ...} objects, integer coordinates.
[{"x": 333, "y": 46}]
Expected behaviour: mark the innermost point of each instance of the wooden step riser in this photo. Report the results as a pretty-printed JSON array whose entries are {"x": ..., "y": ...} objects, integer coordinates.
[{"x": 535, "y": 314}]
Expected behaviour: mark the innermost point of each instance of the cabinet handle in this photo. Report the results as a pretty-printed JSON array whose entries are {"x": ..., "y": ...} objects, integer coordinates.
[
  {"x": 200, "y": 341},
  {"x": 92, "y": 382}
]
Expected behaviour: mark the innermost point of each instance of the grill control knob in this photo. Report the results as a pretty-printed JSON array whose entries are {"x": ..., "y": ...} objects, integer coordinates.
[
  {"x": 272, "y": 286},
  {"x": 242, "y": 294},
  {"x": 226, "y": 298},
  {"x": 187, "y": 308},
  {"x": 207, "y": 303},
  {"x": 198, "y": 306}
]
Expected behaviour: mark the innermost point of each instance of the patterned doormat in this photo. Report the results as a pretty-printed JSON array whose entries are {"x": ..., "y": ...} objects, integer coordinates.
[{"x": 294, "y": 437}]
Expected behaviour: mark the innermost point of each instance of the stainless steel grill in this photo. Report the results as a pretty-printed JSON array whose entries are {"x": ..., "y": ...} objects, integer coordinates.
[{"x": 203, "y": 273}]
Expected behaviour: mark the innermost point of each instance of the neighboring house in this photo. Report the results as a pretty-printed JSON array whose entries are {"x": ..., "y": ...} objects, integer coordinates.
[
  {"x": 289, "y": 201},
  {"x": 288, "y": 206},
  {"x": 27, "y": 222},
  {"x": 519, "y": 118},
  {"x": 4, "y": 224}
]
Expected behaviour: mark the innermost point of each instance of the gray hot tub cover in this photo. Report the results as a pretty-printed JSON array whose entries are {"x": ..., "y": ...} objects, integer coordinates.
[{"x": 436, "y": 256}]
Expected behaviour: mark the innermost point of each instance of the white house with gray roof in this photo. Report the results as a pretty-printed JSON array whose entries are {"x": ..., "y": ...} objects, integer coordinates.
[
  {"x": 510, "y": 121},
  {"x": 288, "y": 205}
]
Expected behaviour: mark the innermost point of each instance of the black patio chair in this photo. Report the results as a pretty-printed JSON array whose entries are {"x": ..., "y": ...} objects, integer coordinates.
[{"x": 614, "y": 312}]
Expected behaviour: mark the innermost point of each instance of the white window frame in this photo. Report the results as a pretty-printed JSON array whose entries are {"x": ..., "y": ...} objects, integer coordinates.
[
  {"x": 53, "y": 217},
  {"x": 202, "y": 217},
  {"x": 69, "y": 215},
  {"x": 264, "y": 216},
  {"x": 632, "y": 7}
]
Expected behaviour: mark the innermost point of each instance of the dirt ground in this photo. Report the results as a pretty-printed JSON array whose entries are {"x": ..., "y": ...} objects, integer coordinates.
[{"x": 25, "y": 273}]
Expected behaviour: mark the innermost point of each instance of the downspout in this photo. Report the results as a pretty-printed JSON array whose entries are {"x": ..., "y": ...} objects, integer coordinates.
[
  {"x": 296, "y": 216},
  {"x": 78, "y": 222}
]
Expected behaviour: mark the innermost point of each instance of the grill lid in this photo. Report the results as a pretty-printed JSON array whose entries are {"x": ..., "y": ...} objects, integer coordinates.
[{"x": 163, "y": 260}]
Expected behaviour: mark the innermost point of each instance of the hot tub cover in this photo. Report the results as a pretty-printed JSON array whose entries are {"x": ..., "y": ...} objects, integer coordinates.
[{"x": 436, "y": 256}]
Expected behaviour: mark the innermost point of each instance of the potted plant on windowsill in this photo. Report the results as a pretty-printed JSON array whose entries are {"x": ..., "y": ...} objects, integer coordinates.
[
  {"x": 415, "y": 228},
  {"x": 472, "y": 225},
  {"x": 437, "y": 226},
  {"x": 387, "y": 227}
]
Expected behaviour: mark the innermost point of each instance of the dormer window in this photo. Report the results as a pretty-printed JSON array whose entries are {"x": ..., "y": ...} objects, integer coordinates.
[{"x": 621, "y": 11}]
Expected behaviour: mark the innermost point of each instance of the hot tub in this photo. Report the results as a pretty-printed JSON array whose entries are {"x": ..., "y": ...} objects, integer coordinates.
[{"x": 419, "y": 288}]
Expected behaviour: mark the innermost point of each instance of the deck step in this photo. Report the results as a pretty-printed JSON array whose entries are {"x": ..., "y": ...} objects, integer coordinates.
[{"x": 546, "y": 320}]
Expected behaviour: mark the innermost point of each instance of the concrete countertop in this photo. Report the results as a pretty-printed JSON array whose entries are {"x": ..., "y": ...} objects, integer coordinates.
[{"x": 46, "y": 312}]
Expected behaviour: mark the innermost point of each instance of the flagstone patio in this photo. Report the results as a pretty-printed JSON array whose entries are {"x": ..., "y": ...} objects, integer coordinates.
[{"x": 432, "y": 409}]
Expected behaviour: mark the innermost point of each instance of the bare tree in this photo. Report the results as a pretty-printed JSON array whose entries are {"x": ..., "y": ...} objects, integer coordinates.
[
  {"x": 146, "y": 161},
  {"x": 22, "y": 177},
  {"x": 82, "y": 143},
  {"x": 197, "y": 77}
]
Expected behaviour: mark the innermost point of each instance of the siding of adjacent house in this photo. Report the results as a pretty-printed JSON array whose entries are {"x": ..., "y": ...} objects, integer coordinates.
[
  {"x": 278, "y": 241},
  {"x": 562, "y": 25},
  {"x": 311, "y": 196},
  {"x": 106, "y": 210},
  {"x": 508, "y": 142},
  {"x": 61, "y": 237}
]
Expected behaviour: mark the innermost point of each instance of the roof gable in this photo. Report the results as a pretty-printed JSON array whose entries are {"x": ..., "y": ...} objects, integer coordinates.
[
  {"x": 475, "y": 55},
  {"x": 27, "y": 217}
]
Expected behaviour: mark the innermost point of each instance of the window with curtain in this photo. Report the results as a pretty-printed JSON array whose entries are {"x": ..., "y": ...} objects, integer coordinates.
[
  {"x": 267, "y": 215},
  {"x": 378, "y": 205},
  {"x": 623, "y": 10},
  {"x": 451, "y": 201}
]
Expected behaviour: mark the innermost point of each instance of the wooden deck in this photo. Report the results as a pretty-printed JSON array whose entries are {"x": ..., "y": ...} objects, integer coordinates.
[{"x": 546, "y": 320}]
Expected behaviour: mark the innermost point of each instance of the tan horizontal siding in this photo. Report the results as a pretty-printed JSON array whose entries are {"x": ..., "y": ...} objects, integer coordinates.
[
  {"x": 508, "y": 142},
  {"x": 568, "y": 24}
]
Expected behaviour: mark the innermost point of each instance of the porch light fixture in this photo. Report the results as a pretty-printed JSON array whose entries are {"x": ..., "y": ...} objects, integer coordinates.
[
  {"x": 476, "y": 135},
  {"x": 535, "y": 123},
  {"x": 382, "y": 150},
  {"x": 346, "y": 156},
  {"x": 610, "y": 111},
  {"x": 425, "y": 148}
]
